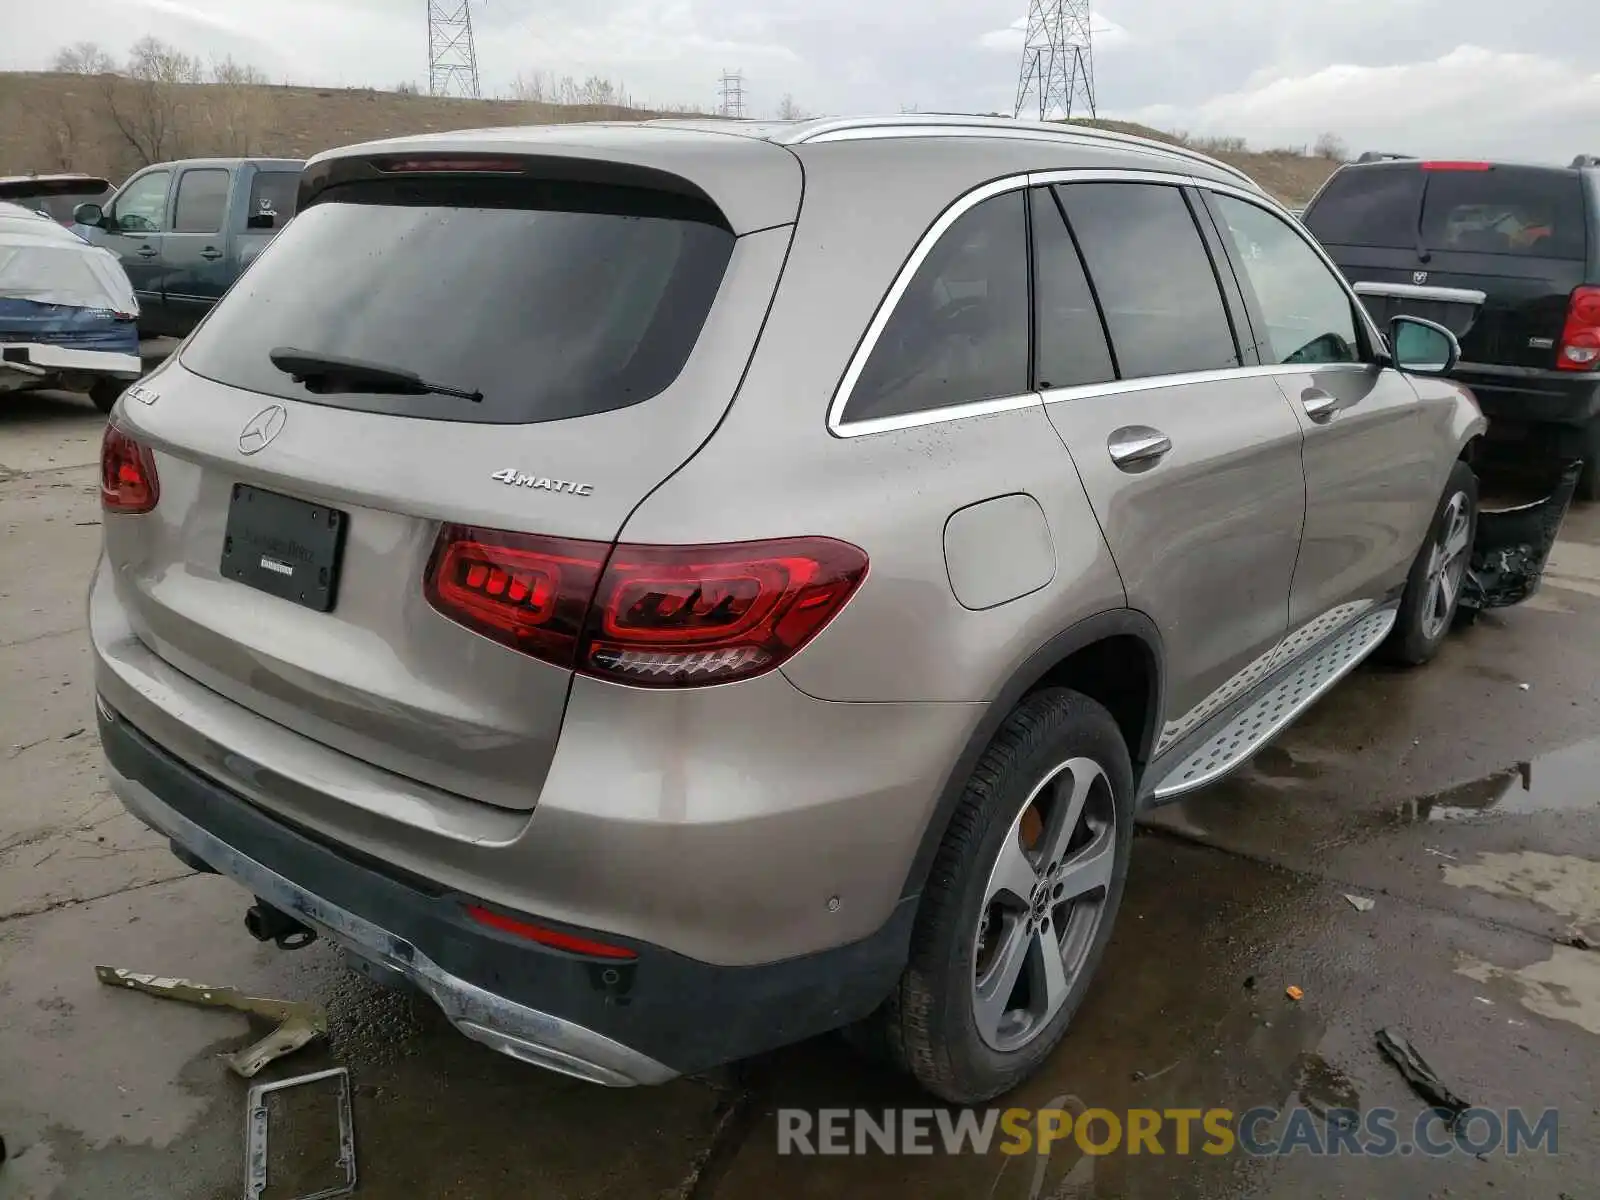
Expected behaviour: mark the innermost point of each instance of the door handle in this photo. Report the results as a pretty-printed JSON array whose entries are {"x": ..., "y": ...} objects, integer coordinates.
[
  {"x": 1134, "y": 445},
  {"x": 148, "y": 252},
  {"x": 1320, "y": 406},
  {"x": 211, "y": 252}
]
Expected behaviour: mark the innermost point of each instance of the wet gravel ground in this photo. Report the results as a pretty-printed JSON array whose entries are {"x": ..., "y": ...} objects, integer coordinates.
[{"x": 1462, "y": 799}]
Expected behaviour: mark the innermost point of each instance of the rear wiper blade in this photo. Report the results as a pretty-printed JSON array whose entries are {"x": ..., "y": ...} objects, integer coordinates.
[{"x": 330, "y": 373}]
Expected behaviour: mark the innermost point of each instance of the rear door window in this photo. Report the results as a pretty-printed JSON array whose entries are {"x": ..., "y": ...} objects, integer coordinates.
[
  {"x": 551, "y": 300},
  {"x": 1154, "y": 277},
  {"x": 272, "y": 198},
  {"x": 1069, "y": 337},
  {"x": 1369, "y": 206},
  {"x": 1525, "y": 211},
  {"x": 959, "y": 332},
  {"x": 202, "y": 198}
]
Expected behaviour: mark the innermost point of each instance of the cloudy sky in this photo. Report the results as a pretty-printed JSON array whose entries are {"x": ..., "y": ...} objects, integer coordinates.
[{"x": 1446, "y": 77}]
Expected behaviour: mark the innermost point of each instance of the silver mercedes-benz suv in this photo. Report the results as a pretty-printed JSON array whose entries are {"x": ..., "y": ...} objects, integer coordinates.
[{"x": 669, "y": 590}]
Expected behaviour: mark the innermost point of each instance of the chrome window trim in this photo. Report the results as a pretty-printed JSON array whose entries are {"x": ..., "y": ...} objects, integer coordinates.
[{"x": 839, "y": 427}]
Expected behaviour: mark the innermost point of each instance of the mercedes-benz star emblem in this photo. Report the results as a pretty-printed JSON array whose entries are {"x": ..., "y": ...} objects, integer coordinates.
[{"x": 263, "y": 427}]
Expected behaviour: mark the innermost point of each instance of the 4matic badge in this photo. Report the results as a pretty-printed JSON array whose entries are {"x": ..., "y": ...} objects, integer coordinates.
[{"x": 516, "y": 478}]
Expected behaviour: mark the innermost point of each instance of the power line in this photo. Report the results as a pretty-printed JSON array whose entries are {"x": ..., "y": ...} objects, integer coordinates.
[
  {"x": 1057, "y": 60},
  {"x": 731, "y": 89},
  {"x": 452, "y": 60}
]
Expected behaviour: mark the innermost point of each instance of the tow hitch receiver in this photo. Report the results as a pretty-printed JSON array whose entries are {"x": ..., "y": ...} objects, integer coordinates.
[{"x": 1512, "y": 546}]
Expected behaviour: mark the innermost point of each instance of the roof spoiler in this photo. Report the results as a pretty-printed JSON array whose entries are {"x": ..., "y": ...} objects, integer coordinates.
[
  {"x": 1587, "y": 160},
  {"x": 1368, "y": 156}
]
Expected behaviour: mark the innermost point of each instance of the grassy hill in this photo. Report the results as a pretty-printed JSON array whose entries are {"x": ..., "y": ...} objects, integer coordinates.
[{"x": 110, "y": 126}]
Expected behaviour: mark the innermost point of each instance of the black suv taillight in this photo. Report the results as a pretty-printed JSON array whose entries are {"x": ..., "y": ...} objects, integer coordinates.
[
  {"x": 128, "y": 482},
  {"x": 651, "y": 616},
  {"x": 1580, "y": 340}
]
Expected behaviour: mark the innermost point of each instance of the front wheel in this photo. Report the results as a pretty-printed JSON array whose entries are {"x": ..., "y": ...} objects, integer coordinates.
[
  {"x": 1433, "y": 589},
  {"x": 1019, "y": 903}
]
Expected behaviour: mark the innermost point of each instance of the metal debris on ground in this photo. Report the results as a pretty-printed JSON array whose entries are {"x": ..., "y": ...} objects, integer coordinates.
[
  {"x": 297, "y": 1022},
  {"x": 1512, "y": 546},
  {"x": 255, "y": 1135},
  {"x": 1360, "y": 903},
  {"x": 1294, "y": 993},
  {"x": 1424, "y": 1080}
]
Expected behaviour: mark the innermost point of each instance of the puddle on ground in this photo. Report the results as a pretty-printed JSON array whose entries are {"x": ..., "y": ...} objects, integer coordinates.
[
  {"x": 1564, "y": 987},
  {"x": 1562, "y": 883},
  {"x": 1561, "y": 780}
]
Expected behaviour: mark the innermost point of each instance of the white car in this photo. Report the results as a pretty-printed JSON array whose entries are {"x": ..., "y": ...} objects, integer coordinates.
[{"x": 68, "y": 316}]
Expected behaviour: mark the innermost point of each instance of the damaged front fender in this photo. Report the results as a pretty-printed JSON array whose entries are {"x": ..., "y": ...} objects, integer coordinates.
[{"x": 1512, "y": 546}]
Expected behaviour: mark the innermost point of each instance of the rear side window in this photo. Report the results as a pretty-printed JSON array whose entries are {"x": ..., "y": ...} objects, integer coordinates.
[
  {"x": 272, "y": 198},
  {"x": 1154, "y": 278},
  {"x": 202, "y": 198},
  {"x": 1369, "y": 206},
  {"x": 959, "y": 332},
  {"x": 1069, "y": 337},
  {"x": 1506, "y": 210},
  {"x": 550, "y": 300}
]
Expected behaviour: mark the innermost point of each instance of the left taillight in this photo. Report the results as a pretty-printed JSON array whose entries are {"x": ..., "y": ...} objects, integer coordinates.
[
  {"x": 651, "y": 616},
  {"x": 128, "y": 482}
]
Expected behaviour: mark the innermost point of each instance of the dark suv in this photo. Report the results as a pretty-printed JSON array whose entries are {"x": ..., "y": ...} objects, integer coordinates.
[{"x": 1506, "y": 255}]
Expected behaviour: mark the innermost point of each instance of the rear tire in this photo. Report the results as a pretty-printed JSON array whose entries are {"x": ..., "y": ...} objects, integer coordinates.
[
  {"x": 1048, "y": 811},
  {"x": 104, "y": 393},
  {"x": 1433, "y": 589}
]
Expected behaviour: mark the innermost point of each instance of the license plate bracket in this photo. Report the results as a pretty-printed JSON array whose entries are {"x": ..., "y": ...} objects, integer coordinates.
[{"x": 282, "y": 546}]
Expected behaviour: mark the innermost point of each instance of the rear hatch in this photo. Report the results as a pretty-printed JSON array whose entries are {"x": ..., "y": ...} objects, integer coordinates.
[
  {"x": 1493, "y": 252},
  {"x": 578, "y": 341}
]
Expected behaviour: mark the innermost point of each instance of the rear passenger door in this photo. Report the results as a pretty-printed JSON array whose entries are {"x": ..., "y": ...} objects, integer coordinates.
[
  {"x": 1371, "y": 449},
  {"x": 197, "y": 266},
  {"x": 1190, "y": 458}
]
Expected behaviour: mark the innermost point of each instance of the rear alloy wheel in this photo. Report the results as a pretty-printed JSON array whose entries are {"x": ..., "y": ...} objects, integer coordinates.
[
  {"x": 1433, "y": 589},
  {"x": 1019, "y": 904}
]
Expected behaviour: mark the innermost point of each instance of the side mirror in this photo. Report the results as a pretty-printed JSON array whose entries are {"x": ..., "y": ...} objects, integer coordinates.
[
  {"x": 88, "y": 214},
  {"x": 1423, "y": 347}
]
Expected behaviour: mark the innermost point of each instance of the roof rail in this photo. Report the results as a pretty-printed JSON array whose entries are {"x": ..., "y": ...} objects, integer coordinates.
[
  {"x": 934, "y": 124},
  {"x": 1587, "y": 160},
  {"x": 1368, "y": 156}
]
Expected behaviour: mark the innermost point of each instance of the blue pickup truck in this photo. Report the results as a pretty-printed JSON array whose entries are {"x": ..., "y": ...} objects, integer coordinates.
[{"x": 185, "y": 230}]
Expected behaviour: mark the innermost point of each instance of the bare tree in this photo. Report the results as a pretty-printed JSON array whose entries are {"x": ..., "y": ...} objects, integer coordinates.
[
  {"x": 788, "y": 110},
  {"x": 1331, "y": 147},
  {"x": 83, "y": 58},
  {"x": 146, "y": 103},
  {"x": 237, "y": 108}
]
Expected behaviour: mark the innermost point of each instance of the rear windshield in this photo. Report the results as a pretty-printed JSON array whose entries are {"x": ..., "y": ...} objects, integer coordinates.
[
  {"x": 1369, "y": 206},
  {"x": 1506, "y": 210},
  {"x": 549, "y": 300}
]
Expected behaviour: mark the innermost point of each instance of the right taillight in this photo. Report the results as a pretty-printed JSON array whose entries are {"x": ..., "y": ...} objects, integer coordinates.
[
  {"x": 652, "y": 616},
  {"x": 128, "y": 482},
  {"x": 1580, "y": 340}
]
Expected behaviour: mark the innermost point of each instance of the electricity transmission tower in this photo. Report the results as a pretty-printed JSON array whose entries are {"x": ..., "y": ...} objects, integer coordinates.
[
  {"x": 731, "y": 88},
  {"x": 1057, "y": 60},
  {"x": 452, "y": 61}
]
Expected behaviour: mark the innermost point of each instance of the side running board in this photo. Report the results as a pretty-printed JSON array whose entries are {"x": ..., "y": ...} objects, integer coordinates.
[{"x": 1296, "y": 689}]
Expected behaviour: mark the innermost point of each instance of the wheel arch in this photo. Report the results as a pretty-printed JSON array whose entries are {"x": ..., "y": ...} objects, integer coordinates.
[{"x": 1114, "y": 657}]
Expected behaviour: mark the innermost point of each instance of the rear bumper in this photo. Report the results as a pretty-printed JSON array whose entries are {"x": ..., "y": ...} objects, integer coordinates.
[
  {"x": 1523, "y": 395},
  {"x": 641, "y": 1021},
  {"x": 38, "y": 364}
]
